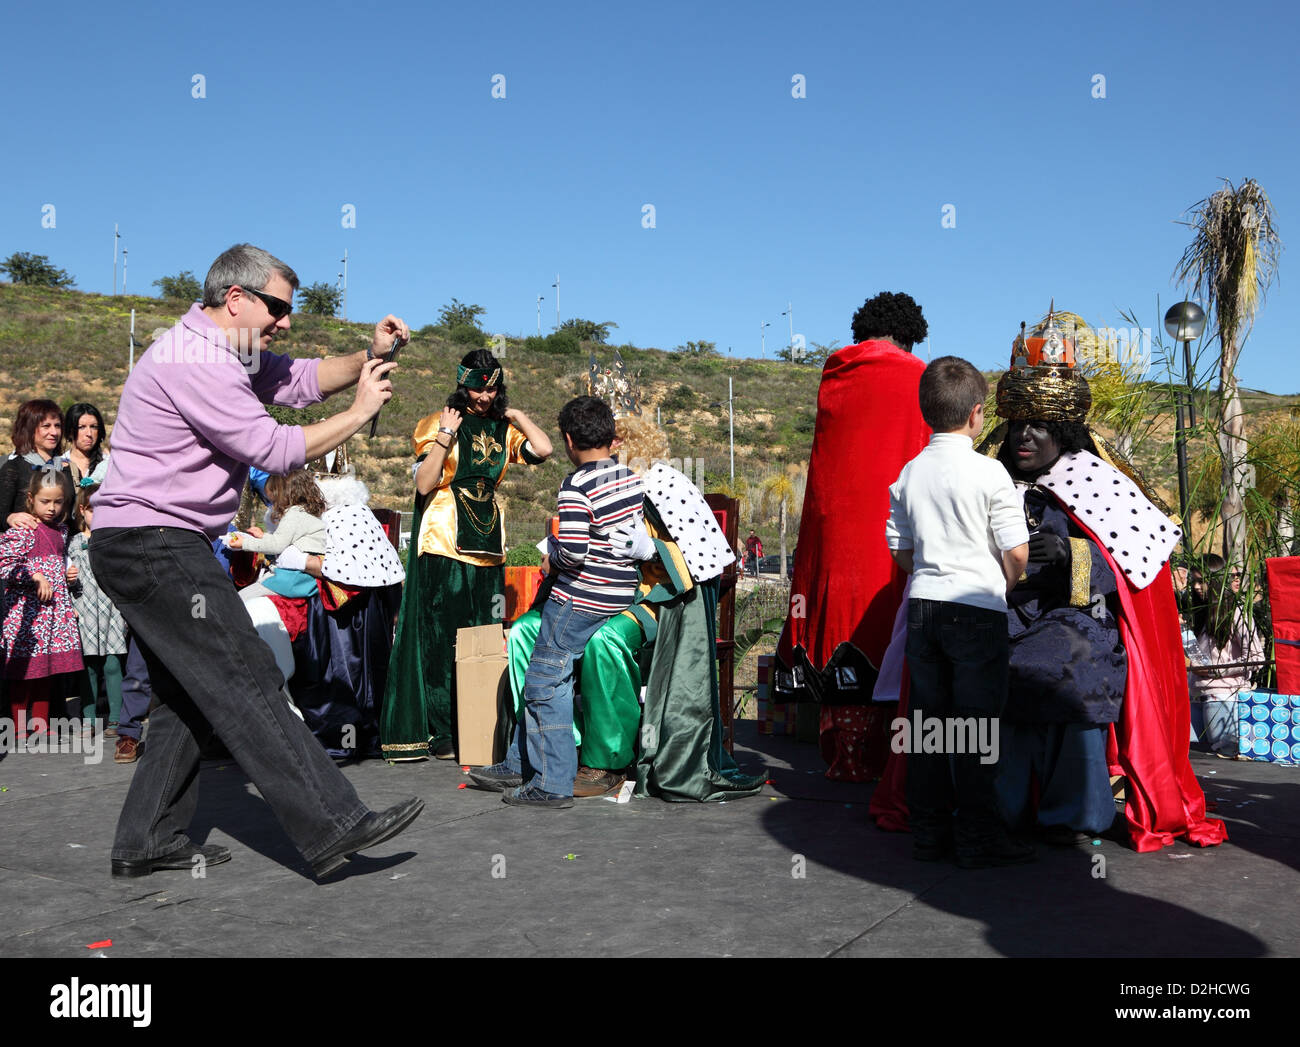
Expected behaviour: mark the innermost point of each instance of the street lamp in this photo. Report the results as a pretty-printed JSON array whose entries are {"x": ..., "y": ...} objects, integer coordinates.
[
  {"x": 731, "y": 427},
  {"x": 789, "y": 311},
  {"x": 1184, "y": 322},
  {"x": 540, "y": 299},
  {"x": 762, "y": 339}
]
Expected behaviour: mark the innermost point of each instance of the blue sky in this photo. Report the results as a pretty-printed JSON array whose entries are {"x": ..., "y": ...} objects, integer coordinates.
[{"x": 760, "y": 198}]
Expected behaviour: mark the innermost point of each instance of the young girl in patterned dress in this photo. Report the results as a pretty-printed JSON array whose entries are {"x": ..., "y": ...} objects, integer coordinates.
[
  {"x": 103, "y": 633},
  {"x": 40, "y": 627}
]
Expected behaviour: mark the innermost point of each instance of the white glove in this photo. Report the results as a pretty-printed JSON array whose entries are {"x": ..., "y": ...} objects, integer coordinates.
[
  {"x": 292, "y": 559},
  {"x": 633, "y": 541}
]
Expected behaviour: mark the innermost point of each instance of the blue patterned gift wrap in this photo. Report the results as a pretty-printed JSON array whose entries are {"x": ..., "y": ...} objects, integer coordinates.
[{"x": 1269, "y": 727}]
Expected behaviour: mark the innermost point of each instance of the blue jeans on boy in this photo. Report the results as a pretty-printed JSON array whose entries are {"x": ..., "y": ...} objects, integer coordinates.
[{"x": 547, "y": 726}]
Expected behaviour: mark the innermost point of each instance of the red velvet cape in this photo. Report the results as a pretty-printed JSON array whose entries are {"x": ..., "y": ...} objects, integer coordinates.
[
  {"x": 1163, "y": 799},
  {"x": 869, "y": 426}
]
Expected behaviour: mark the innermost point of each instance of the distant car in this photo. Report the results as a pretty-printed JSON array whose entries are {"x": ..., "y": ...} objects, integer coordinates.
[{"x": 771, "y": 564}]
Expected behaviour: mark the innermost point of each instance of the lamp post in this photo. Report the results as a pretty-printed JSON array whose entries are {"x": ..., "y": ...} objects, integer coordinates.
[
  {"x": 731, "y": 427},
  {"x": 789, "y": 311},
  {"x": 1184, "y": 322},
  {"x": 762, "y": 339},
  {"x": 539, "y": 315},
  {"x": 556, "y": 285}
]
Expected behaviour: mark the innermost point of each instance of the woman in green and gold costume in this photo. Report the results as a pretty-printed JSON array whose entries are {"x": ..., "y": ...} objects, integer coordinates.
[{"x": 454, "y": 578}]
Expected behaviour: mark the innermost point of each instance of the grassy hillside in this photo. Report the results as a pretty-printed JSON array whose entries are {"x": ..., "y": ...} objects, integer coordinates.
[{"x": 66, "y": 345}]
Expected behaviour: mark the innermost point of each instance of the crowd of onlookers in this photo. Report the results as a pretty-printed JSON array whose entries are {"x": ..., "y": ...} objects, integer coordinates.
[
  {"x": 67, "y": 654},
  {"x": 64, "y": 641},
  {"x": 1225, "y": 627}
]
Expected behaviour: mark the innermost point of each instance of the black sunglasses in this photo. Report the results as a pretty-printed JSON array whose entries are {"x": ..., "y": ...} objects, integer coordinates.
[{"x": 277, "y": 307}]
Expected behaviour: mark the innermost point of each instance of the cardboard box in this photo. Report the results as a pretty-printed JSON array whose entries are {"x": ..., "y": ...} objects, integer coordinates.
[
  {"x": 482, "y": 693},
  {"x": 1269, "y": 727}
]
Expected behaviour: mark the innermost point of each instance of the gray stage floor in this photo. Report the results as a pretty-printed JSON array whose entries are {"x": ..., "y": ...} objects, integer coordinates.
[{"x": 473, "y": 876}]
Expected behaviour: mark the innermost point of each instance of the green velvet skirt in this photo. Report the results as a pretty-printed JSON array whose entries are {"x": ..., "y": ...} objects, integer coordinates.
[{"x": 441, "y": 595}]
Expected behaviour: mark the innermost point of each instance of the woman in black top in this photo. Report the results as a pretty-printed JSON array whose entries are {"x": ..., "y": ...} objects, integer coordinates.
[{"x": 38, "y": 439}]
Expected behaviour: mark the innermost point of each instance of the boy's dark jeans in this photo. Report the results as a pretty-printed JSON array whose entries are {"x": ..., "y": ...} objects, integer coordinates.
[
  {"x": 957, "y": 659},
  {"x": 210, "y": 670}
]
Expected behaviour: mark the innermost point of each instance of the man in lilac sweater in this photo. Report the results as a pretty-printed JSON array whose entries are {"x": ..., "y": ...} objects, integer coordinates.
[{"x": 190, "y": 423}]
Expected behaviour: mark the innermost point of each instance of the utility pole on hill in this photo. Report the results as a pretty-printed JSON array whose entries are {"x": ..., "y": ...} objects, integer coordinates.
[{"x": 345, "y": 284}]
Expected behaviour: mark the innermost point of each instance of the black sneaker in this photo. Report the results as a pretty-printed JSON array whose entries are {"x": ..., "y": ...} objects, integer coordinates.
[
  {"x": 527, "y": 796},
  {"x": 1002, "y": 851},
  {"x": 442, "y": 751},
  {"x": 496, "y": 778}
]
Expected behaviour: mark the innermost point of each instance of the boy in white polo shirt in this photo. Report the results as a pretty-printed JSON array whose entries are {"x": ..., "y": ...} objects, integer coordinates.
[{"x": 957, "y": 526}]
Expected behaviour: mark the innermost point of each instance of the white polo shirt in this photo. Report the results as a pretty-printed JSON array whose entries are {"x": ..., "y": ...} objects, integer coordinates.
[{"x": 958, "y": 511}]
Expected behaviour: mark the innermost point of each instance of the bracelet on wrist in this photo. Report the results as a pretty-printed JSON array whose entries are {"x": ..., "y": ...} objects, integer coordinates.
[
  {"x": 370, "y": 352},
  {"x": 449, "y": 432}
]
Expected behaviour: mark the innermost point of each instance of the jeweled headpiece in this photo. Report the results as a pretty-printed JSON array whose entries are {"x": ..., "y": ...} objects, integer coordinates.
[
  {"x": 478, "y": 377},
  {"x": 1043, "y": 382}
]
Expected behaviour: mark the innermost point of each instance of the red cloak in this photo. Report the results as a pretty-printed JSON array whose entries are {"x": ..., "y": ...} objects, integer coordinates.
[{"x": 869, "y": 426}]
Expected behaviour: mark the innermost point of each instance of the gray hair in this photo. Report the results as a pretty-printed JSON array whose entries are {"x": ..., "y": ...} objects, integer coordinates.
[{"x": 245, "y": 265}]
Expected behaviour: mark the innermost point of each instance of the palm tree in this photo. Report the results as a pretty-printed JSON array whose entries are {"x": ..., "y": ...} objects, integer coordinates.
[
  {"x": 1230, "y": 263},
  {"x": 780, "y": 492}
]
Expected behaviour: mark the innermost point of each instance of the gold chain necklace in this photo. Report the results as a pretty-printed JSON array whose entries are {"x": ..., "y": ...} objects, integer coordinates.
[{"x": 484, "y": 529}]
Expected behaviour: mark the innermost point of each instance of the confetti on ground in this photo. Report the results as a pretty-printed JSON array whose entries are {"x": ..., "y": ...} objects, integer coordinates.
[
  {"x": 570, "y": 857},
  {"x": 462, "y": 785},
  {"x": 397, "y": 876},
  {"x": 769, "y": 782},
  {"x": 465, "y": 768},
  {"x": 1096, "y": 843},
  {"x": 772, "y": 798},
  {"x": 105, "y": 944},
  {"x": 77, "y": 845},
  {"x": 4, "y": 788},
  {"x": 1179, "y": 856}
]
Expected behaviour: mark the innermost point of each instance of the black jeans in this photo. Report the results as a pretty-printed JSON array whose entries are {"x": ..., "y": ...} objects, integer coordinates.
[
  {"x": 957, "y": 660},
  {"x": 209, "y": 671}
]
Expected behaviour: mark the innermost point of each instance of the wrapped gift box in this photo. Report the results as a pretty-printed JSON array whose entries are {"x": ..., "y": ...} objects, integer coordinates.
[{"x": 1269, "y": 727}]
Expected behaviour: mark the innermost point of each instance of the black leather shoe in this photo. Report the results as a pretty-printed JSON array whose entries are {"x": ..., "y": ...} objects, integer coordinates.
[
  {"x": 127, "y": 868},
  {"x": 442, "y": 751},
  {"x": 374, "y": 828}
]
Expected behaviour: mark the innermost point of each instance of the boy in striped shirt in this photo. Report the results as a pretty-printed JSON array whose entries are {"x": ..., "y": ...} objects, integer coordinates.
[{"x": 592, "y": 565}]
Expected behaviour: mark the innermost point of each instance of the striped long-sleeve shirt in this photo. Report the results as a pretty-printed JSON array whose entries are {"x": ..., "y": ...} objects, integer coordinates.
[{"x": 595, "y": 499}]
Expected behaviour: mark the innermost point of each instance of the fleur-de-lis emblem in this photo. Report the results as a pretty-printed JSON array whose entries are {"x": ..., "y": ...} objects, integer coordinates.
[{"x": 484, "y": 447}]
